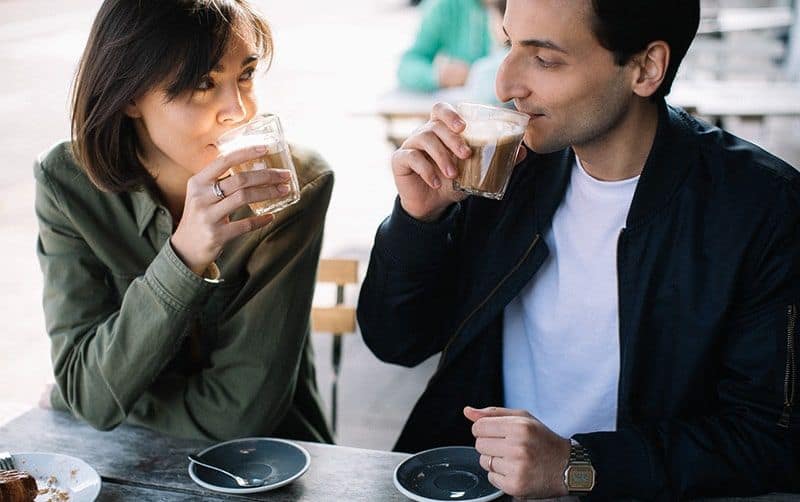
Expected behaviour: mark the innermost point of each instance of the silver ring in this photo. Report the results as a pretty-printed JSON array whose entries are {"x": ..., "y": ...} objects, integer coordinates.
[
  {"x": 491, "y": 459},
  {"x": 218, "y": 190}
]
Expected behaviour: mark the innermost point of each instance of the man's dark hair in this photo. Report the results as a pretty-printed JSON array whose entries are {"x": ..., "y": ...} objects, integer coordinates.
[
  {"x": 626, "y": 27},
  {"x": 133, "y": 46}
]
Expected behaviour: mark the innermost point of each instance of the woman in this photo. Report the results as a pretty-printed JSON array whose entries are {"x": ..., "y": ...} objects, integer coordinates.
[{"x": 168, "y": 306}]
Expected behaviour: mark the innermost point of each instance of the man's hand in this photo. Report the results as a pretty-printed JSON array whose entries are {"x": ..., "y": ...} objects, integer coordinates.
[{"x": 523, "y": 457}]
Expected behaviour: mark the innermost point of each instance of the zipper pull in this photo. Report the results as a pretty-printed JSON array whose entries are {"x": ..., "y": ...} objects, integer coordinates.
[{"x": 783, "y": 421}]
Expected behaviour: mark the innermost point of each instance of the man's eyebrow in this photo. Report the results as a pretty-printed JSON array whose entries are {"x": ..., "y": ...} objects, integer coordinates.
[
  {"x": 246, "y": 61},
  {"x": 542, "y": 44}
]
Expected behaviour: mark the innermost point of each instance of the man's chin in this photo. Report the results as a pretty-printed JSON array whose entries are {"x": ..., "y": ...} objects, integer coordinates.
[{"x": 541, "y": 145}]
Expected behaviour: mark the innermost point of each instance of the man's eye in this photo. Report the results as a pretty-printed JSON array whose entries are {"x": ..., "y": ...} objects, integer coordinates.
[
  {"x": 507, "y": 44},
  {"x": 545, "y": 63}
]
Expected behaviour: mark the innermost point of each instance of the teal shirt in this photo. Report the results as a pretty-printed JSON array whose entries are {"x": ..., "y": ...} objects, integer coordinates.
[{"x": 458, "y": 29}]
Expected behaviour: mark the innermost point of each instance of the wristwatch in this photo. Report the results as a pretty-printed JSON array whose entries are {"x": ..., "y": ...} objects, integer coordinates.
[{"x": 579, "y": 475}]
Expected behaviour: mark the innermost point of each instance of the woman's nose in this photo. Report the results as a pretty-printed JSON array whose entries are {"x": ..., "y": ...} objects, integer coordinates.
[{"x": 232, "y": 110}]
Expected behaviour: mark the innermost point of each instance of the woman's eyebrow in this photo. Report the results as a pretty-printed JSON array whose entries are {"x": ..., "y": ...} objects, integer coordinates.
[{"x": 246, "y": 61}]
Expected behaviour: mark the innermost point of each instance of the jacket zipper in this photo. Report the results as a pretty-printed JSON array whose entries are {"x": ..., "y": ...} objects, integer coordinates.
[
  {"x": 791, "y": 370},
  {"x": 481, "y": 304}
]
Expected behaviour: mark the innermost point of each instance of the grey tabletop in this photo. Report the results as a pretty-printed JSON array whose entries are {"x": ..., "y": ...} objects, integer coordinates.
[{"x": 138, "y": 464}]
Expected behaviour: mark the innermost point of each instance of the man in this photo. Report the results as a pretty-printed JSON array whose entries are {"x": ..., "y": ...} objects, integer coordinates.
[{"x": 631, "y": 304}]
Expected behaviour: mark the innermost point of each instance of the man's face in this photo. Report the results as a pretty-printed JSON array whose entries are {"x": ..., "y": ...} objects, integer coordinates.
[{"x": 558, "y": 73}]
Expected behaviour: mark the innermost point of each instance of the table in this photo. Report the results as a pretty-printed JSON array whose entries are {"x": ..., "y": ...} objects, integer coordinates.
[{"x": 138, "y": 464}]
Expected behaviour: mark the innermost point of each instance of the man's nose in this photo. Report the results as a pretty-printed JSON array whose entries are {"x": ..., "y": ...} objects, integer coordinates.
[{"x": 510, "y": 83}]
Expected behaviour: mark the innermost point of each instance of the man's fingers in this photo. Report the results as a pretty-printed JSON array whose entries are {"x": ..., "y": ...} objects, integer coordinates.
[
  {"x": 421, "y": 165},
  {"x": 522, "y": 152},
  {"x": 495, "y": 464},
  {"x": 454, "y": 142},
  {"x": 448, "y": 114},
  {"x": 497, "y": 480},
  {"x": 430, "y": 144},
  {"x": 493, "y": 411},
  {"x": 496, "y": 447},
  {"x": 221, "y": 164}
]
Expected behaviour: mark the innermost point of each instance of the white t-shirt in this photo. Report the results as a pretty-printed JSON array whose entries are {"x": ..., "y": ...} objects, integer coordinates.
[{"x": 561, "y": 334}]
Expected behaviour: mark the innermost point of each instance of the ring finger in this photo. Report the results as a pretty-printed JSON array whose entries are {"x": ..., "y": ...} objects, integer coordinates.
[
  {"x": 258, "y": 177},
  {"x": 248, "y": 195},
  {"x": 497, "y": 465}
]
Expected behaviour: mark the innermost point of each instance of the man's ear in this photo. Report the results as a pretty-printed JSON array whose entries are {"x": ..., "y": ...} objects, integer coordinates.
[
  {"x": 651, "y": 67},
  {"x": 132, "y": 110}
]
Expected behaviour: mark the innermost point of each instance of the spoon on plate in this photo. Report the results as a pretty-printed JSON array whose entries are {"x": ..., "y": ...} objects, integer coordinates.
[{"x": 244, "y": 483}]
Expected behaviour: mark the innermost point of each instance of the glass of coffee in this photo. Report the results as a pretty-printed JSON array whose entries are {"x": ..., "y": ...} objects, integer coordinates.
[
  {"x": 494, "y": 135},
  {"x": 263, "y": 130}
]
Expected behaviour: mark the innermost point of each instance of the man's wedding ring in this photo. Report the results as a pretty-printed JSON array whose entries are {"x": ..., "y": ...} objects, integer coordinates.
[{"x": 217, "y": 190}]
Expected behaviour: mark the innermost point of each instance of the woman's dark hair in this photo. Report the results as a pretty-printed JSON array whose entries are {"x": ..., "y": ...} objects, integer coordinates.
[
  {"x": 133, "y": 46},
  {"x": 626, "y": 27}
]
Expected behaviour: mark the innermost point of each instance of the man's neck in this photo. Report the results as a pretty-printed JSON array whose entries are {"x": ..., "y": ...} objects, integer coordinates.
[{"x": 621, "y": 153}]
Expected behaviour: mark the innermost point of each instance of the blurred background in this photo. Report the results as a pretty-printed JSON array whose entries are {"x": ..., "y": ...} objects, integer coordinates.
[{"x": 334, "y": 82}]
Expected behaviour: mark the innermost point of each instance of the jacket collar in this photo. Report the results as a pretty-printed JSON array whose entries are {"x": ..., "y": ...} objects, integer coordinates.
[
  {"x": 144, "y": 207},
  {"x": 668, "y": 163}
]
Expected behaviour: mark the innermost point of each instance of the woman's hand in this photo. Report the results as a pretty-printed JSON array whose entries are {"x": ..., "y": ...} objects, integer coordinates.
[{"x": 205, "y": 227}]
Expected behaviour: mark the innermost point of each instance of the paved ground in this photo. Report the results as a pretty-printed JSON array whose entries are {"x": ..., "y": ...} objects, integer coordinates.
[{"x": 329, "y": 62}]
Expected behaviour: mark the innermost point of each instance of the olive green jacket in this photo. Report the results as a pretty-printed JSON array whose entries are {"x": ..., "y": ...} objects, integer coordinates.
[{"x": 138, "y": 338}]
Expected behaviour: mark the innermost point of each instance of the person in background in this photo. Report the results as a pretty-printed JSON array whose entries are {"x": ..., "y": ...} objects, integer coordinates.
[
  {"x": 452, "y": 35},
  {"x": 169, "y": 305},
  {"x": 480, "y": 84}
]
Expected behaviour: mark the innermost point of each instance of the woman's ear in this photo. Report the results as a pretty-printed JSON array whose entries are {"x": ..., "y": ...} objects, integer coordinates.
[{"x": 132, "y": 110}]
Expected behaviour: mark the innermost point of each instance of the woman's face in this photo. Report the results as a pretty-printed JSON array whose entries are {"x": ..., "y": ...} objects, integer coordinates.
[{"x": 180, "y": 134}]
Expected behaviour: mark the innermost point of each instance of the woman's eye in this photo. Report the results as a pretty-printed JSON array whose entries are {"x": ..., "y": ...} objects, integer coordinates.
[
  {"x": 205, "y": 84},
  {"x": 248, "y": 74}
]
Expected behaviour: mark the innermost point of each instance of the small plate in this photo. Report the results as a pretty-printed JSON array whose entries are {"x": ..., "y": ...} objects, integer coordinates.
[
  {"x": 277, "y": 461},
  {"x": 449, "y": 473},
  {"x": 68, "y": 476}
]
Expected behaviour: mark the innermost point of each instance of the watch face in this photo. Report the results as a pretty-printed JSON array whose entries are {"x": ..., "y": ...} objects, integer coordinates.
[{"x": 580, "y": 477}]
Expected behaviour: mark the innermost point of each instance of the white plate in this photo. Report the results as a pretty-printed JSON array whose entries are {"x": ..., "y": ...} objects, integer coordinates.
[{"x": 72, "y": 475}]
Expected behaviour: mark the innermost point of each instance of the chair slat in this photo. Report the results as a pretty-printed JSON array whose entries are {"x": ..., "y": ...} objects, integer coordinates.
[
  {"x": 339, "y": 319},
  {"x": 338, "y": 271}
]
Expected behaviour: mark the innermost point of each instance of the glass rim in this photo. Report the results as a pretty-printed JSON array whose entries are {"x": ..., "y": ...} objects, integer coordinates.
[
  {"x": 230, "y": 134},
  {"x": 493, "y": 108}
]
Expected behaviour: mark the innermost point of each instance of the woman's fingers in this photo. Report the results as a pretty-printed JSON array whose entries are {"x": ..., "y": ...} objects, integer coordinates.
[
  {"x": 247, "y": 195},
  {"x": 240, "y": 227},
  {"x": 254, "y": 178},
  {"x": 221, "y": 164}
]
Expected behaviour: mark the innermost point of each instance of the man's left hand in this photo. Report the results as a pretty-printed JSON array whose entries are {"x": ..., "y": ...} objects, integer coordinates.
[{"x": 523, "y": 457}]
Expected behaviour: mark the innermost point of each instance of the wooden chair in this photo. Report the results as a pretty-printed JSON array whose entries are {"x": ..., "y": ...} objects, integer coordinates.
[{"x": 338, "y": 320}]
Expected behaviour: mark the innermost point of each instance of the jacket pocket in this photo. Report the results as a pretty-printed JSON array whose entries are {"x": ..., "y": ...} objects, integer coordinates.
[{"x": 790, "y": 376}]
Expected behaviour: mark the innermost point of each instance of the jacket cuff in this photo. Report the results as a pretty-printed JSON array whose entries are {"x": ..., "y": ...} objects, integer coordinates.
[
  {"x": 411, "y": 243},
  {"x": 623, "y": 465},
  {"x": 173, "y": 282}
]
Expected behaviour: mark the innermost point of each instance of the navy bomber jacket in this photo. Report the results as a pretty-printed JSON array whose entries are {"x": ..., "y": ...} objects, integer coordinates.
[{"x": 709, "y": 299}]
